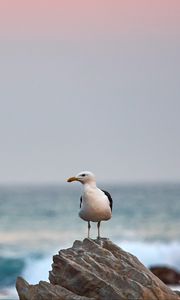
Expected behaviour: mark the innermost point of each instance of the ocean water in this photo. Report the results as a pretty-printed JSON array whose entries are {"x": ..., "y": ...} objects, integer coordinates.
[{"x": 37, "y": 221}]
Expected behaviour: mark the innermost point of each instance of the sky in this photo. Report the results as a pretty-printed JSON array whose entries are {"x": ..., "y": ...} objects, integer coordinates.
[{"x": 89, "y": 85}]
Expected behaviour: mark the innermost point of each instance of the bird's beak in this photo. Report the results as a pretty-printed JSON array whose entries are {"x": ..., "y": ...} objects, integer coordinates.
[{"x": 72, "y": 179}]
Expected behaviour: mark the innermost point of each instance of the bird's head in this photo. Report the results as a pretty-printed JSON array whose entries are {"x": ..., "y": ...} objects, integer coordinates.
[{"x": 83, "y": 177}]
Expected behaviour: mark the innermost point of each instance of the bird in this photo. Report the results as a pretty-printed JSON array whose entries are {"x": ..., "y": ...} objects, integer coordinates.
[{"x": 95, "y": 204}]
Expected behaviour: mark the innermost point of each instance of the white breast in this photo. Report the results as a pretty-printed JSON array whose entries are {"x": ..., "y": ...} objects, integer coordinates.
[{"x": 95, "y": 205}]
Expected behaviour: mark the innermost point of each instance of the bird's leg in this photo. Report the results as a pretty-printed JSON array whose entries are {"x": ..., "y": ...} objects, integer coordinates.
[
  {"x": 89, "y": 227},
  {"x": 98, "y": 226}
]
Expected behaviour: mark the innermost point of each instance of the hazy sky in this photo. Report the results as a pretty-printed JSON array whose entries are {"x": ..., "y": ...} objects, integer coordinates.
[{"x": 89, "y": 85}]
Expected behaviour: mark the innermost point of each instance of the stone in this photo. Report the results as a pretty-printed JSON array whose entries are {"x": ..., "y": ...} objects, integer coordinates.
[
  {"x": 44, "y": 291},
  {"x": 166, "y": 274},
  {"x": 96, "y": 269}
]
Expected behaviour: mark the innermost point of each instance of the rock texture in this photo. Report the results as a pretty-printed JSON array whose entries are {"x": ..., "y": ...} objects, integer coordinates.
[
  {"x": 44, "y": 291},
  {"x": 166, "y": 274},
  {"x": 96, "y": 269}
]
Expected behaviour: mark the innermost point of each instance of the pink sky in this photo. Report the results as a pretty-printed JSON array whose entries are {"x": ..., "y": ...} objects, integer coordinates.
[{"x": 65, "y": 18}]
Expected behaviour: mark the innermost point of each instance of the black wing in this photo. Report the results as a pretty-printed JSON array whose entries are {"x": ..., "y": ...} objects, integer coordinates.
[
  {"x": 109, "y": 198},
  {"x": 80, "y": 201}
]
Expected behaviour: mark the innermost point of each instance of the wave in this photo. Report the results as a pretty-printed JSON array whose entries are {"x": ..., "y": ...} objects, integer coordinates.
[
  {"x": 154, "y": 253},
  {"x": 10, "y": 268},
  {"x": 37, "y": 270}
]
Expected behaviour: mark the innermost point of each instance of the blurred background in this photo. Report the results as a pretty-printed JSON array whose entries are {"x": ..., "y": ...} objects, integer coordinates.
[{"x": 88, "y": 86}]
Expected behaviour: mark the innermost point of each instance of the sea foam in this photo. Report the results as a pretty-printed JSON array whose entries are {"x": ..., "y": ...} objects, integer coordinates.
[{"x": 154, "y": 253}]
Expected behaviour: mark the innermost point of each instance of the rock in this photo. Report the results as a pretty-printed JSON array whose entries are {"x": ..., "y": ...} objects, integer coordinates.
[
  {"x": 44, "y": 291},
  {"x": 99, "y": 270},
  {"x": 166, "y": 274}
]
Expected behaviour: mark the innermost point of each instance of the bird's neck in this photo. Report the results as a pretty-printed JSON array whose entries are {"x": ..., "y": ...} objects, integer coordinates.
[{"x": 90, "y": 185}]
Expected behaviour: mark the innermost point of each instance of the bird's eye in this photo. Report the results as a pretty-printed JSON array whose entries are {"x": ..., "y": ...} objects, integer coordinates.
[{"x": 83, "y": 175}]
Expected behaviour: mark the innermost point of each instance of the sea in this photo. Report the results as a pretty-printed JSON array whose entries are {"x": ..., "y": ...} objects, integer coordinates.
[{"x": 36, "y": 221}]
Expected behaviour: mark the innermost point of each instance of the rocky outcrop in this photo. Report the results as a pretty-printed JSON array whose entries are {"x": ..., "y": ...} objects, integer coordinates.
[
  {"x": 96, "y": 269},
  {"x": 44, "y": 291},
  {"x": 166, "y": 274}
]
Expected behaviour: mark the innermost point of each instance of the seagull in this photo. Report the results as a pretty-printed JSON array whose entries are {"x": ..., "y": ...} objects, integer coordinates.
[{"x": 95, "y": 204}]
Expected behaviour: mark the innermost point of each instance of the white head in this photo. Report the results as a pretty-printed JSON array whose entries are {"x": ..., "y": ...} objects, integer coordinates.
[{"x": 83, "y": 177}]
